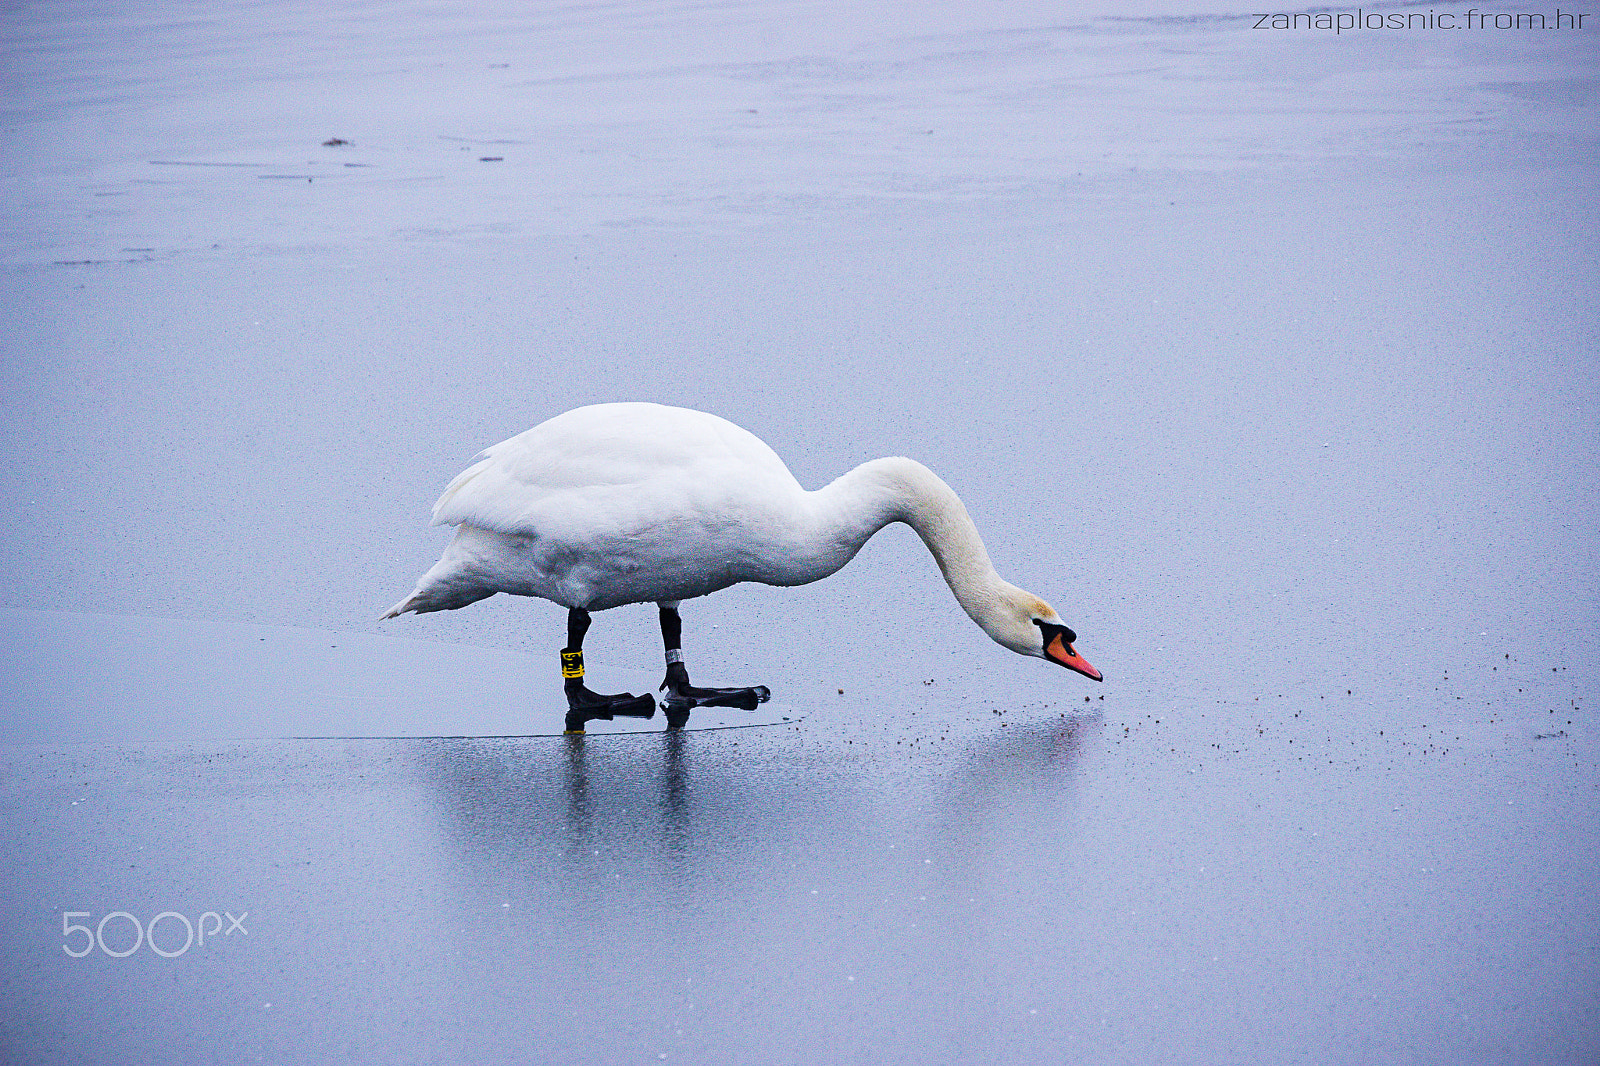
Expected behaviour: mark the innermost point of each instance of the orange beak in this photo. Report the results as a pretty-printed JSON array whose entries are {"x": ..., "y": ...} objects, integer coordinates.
[{"x": 1059, "y": 651}]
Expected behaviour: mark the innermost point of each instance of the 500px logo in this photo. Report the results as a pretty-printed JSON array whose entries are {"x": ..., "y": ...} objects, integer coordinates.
[{"x": 146, "y": 934}]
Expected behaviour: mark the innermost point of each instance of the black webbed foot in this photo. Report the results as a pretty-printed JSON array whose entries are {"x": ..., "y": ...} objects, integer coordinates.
[
  {"x": 683, "y": 697},
  {"x": 688, "y": 697},
  {"x": 585, "y": 706}
]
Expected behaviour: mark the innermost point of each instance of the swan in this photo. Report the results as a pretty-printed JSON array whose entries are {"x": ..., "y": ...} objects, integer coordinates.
[{"x": 624, "y": 503}]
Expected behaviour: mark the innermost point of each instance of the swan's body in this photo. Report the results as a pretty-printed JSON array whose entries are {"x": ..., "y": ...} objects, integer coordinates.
[
  {"x": 637, "y": 503},
  {"x": 632, "y": 503}
]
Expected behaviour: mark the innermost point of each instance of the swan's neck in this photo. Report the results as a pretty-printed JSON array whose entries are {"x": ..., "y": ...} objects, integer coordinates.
[{"x": 882, "y": 491}]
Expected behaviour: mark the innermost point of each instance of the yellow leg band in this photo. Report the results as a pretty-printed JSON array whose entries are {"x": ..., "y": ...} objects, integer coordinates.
[{"x": 572, "y": 664}]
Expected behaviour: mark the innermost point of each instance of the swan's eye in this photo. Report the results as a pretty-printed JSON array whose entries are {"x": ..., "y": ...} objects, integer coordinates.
[{"x": 1055, "y": 627}]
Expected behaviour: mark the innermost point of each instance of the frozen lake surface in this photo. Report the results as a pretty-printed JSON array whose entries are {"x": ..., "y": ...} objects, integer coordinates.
[{"x": 1267, "y": 357}]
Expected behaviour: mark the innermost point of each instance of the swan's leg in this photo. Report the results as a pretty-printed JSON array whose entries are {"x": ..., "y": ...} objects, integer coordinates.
[
  {"x": 683, "y": 697},
  {"x": 583, "y": 705}
]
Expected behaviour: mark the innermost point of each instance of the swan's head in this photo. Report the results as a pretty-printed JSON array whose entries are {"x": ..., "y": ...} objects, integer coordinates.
[
  {"x": 1056, "y": 638},
  {"x": 1029, "y": 626}
]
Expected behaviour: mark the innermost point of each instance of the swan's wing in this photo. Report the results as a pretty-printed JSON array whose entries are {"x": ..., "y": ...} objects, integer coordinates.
[{"x": 613, "y": 468}]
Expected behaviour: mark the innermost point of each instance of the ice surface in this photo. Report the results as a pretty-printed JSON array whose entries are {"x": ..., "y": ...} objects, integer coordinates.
[{"x": 1266, "y": 357}]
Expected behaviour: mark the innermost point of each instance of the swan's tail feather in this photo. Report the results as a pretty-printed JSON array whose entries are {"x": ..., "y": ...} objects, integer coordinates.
[
  {"x": 407, "y": 604},
  {"x": 457, "y": 579},
  {"x": 437, "y": 596}
]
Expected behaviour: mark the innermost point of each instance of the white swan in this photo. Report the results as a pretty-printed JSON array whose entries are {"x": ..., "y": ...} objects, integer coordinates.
[{"x": 637, "y": 503}]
